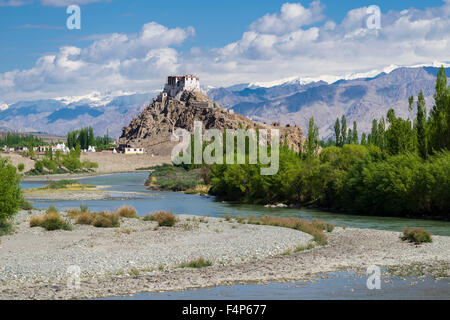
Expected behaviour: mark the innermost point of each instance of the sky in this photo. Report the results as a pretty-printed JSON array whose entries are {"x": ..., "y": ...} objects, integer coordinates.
[{"x": 133, "y": 45}]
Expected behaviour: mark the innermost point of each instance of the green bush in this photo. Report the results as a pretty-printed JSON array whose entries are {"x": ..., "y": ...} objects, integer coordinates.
[
  {"x": 6, "y": 228},
  {"x": 10, "y": 193},
  {"x": 20, "y": 167},
  {"x": 26, "y": 205},
  {"x": 416, "y": 236},
  {"x": 198, "y": 263},
  {"x": 39, "y": 166}
]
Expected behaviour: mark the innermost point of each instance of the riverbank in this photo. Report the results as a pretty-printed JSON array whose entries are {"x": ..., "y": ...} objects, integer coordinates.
[
  {"x": 108, "y": 163},
  {"x": 138, "y": 257}
]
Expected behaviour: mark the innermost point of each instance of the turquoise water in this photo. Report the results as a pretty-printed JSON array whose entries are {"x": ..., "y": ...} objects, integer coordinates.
[
  {"x": 340, "y": 286},
  {"x": 180, "y": 203}
]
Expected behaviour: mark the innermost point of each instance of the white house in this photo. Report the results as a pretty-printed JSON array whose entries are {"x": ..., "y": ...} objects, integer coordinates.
[{"x": 134, "y": 150}]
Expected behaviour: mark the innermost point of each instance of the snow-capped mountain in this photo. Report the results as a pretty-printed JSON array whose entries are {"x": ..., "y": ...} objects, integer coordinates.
[
  {"x": 361, "y": 97},
  {"x": 103, "y": 111}
]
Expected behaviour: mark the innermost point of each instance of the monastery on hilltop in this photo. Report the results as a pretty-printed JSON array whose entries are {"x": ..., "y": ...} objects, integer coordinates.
[{"x": 176, "y": 85}]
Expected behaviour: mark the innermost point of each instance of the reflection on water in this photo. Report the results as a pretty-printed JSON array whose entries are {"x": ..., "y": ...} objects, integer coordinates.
[
  {"x": 180, "y": 203},
  {"x": 342, "y": 286}
]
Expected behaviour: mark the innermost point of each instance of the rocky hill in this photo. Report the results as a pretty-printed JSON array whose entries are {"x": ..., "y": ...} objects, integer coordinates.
[{"x": 152, "y": 129}]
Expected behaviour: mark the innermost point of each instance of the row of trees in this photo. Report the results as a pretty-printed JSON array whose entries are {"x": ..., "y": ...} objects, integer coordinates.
[
  {"x": 85, "y": 138},
  {"x": 20, "y": 140},
  {"x": 424, "y": 135}
]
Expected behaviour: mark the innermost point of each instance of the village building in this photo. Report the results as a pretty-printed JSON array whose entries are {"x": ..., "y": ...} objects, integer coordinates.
[{"x": 128, "y": 149}]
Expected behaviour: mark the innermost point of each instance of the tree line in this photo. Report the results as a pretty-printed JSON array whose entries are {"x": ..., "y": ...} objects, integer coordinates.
[{"x": 85, "y": 138}]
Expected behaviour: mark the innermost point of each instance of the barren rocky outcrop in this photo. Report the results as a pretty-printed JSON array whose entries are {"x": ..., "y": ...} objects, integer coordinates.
[{"x": 152, "y": 129}]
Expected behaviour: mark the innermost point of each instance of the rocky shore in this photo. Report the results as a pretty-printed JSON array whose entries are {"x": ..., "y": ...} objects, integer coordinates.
[{"x": 140, "y": 257}]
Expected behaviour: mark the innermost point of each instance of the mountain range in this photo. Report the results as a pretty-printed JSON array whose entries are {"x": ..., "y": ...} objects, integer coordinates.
[
  {"x": 106, "y": 113},
  {"x": 362, "y": 100},
  {"x": 288, "y": 101}
]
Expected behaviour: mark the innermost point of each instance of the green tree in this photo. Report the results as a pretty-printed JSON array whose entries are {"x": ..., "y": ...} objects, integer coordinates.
[
  {"x": 363, "y": 139},
  {"x": 440, "y": 115},
  {"x": 355, "y": 134},
  {"x": 421, "y": 126},
  {"x": 337, "y": 132},
  {"x": 343, "y": 130},
  {"x": 10, "y": 193},
  {"x": 313, "y": 139}
]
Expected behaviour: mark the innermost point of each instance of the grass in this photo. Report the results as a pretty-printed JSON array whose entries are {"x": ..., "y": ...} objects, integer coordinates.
[
  {"x": 51, "y": 221},
  {"x": 164, "y": 218},
  {"x": 298, "y": 249},
  {"x": 197, "y": 264},
  {"x": 26, "y": 205},
  {"x": 169, "y": 177},
  {"x": 417, "y": 236},
  {"x": 200, "y": 189},
  {"x": 314, "y": 228},
  {"x": 6, "y": 228},
  {"x": 127, "y": 212}
]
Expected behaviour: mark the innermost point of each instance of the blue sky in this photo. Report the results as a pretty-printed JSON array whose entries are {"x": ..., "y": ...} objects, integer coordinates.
[{"x": 217, "y": 30}]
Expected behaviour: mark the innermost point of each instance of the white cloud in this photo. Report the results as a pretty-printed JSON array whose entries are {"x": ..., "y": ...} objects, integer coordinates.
[{"x": 296, "y": 41}]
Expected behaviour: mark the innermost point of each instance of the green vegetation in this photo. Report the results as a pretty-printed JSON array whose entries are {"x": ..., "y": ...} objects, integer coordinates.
[
  {"x": 401, "y": 168},
  {"x": 51, "y": 221},
  {"x": 10, "y": 193},
  {"x": 20, "y": 167},
  {"x": 314, "y": 228},
  {"x": 416, "y": 236},
  {"x": 169, "y": 177},
  {"x": 164, "y": 218},
  {"x": 26, "y": 205},
  {"x": 197, "y": 264},
  {"x": 6, "y": 228},
  {"x": 13, "y": 140},
  {"x": 57, "y": 163},
  {"x": 85, "y": 138}
]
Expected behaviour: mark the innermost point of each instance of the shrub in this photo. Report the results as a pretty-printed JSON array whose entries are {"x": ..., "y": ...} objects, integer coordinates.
[
  {"x": 26, "y": 205},
  {"x": 416, "y": 236},
  {"x": 85, "y": 218},
  {"x": 50, "y": 221},
  {"x": 113, "y": 218},
  {"x": 164, "y": 218},
  {"x": 73, "y": 213},
  {"x": 127, "y": 212},
  {"x": 52, "y": 209},
  {"x": 84, "y": 208},
  {"x": 20, "y": 167},
  {"x": 314, "y": 228},
  {"x": 6, "y": 228},
  {"x": 10, "y": 193},
  {"x": 102, "y": 222},
  {"x": 199, "y": 263},
  {"x": 39, "y": 166}
]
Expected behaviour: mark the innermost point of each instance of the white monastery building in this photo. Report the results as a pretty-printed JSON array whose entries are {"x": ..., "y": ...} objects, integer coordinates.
[{"x": 176, "y": 85}]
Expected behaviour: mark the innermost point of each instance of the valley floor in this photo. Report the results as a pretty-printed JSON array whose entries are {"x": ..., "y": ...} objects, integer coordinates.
[{"x": 139, "y": 257}]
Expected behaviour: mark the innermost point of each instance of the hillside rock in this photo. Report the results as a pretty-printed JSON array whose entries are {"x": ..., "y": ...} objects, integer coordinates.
[{"x": 152, "y": 129}]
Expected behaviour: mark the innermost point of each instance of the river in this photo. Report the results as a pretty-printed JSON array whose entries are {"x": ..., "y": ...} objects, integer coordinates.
[
  {"x": 180, "y": 203},
  {"x": 334, "y": 286}
]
